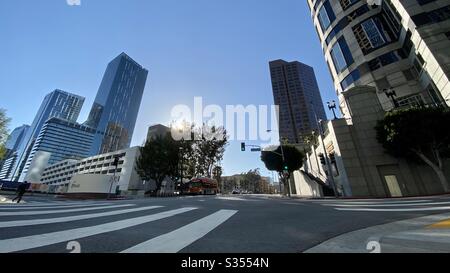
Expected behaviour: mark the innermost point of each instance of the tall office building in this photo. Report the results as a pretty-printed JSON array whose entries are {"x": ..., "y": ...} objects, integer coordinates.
[
  {"x": 297, "y": 94},
  {"x": 16, "y": 137},
  {"x": 58, "y": 104},
  {"x": 60, "y": 140},
  {"x": 116, "y": 106},
  {"x": 390, "y": 45},
  {"x": 13, "y": 142}
]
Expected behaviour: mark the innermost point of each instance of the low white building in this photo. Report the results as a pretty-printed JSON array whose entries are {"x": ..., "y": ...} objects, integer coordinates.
[{"x": 58, "y": 176}]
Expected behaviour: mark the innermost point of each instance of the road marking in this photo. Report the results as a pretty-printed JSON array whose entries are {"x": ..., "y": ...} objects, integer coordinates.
[
  {"x": 394, "y": 210},
  {"x": 176, "y": 240},
  {"x": 372, "y": 203},
  {"x": 236, "y": 199},
  {"x": 21, "y": 213},
  {"x": 56, "y": 207},
  {"x": 47, "y": 204},
  {"x": 387, "y": 205},
  {"x": 22, "y": 223},
  {"x": 442, "y": 224},
  {"x": 35, "y": 241}
]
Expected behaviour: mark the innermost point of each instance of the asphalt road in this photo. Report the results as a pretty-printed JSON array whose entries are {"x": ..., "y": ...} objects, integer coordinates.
[{"x": 202, "y": 224}]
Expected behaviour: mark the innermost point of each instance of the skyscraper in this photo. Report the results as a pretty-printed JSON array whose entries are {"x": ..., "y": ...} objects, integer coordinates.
[
  {"x": 297, "y": 94},
  {"x": 13, "y": 142},
  {"x": 16, "y": 137},
  {"x": 116, "y": 106},
  {"x": 58, "y": 104},
  {"x": 60, "y": 140},
  {"x": 396, "y": 45}
]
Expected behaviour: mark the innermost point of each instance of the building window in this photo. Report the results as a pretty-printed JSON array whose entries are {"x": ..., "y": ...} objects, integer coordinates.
[
  {"x": 326, "y": 16},
  {"x": 341, "y": 55},
  {"x": 432, "y": 17},
  {"x": 350, "y": 79},
  {"x": 413, "y": 100},
  {"x": 345, "y": 4}
]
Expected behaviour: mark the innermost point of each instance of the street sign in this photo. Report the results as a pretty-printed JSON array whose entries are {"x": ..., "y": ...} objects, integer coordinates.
[{"x": 256, "y": 149}]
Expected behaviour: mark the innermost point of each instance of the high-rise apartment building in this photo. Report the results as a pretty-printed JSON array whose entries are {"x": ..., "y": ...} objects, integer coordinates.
[
  {"x": 58, "y": 104},
  {"x": 392, "y": 45},
  {"x": 116, "y": 106},
  {"x": 297, "y": 94}
]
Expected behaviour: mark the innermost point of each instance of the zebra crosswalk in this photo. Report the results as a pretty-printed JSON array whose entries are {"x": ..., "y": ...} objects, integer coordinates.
[
  {"x": 46, "y": 225},
  {"x": 400, "y": 205}
]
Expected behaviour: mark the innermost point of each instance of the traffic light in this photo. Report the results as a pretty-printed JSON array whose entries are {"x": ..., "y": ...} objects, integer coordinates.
[
  {"x": 333, "y": 158},
  {"x": 322, "y": 159},
  {"x": 243, "y": 146},
  {"x": 285, "y": 167}
]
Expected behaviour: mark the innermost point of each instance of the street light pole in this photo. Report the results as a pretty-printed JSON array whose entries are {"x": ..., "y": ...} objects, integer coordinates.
[
  {"x": 327, "y": 159},
  {"x": 332, "y": 107},
  {"x": 390, "y": 93}
]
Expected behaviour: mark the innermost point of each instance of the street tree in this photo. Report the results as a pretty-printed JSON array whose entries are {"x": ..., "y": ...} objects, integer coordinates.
[
  {"x": 4, "y": 121},
  {"x": 273, "y": 160},
  {"x": 209, "y": 149},
  {"x": 421, "y": 134},
  {"x": 159, "y": 159}
]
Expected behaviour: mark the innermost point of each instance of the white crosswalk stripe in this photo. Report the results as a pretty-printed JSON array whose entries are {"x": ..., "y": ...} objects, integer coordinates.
[
  {"x": 403, "y": 205},
  {"x": 35, "y": 241},
  {"x": 175, "y": 241},
  {"x": 21, "y": 213},
  {"x": 41, "y": 217},
  {"x": 51, "y": 206},
  {"x": 22, "y": 223}
]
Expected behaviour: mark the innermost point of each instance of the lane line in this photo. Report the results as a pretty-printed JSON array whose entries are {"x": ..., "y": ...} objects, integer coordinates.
[
  {"x": 22, "y": 223},
  {"x": 393, "y": 210},
  {"x": 176, "y": 240},
  {"x": 389, "y": 205},
  {"x": 53, "y": 207},
  {"x": 35, "y": 241},
  {"x": 21, "y": 213}
]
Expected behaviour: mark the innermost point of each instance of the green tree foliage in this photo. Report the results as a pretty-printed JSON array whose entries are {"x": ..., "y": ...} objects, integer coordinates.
[
  {"x": 421, "y": 134},
  {"x": 210, "y": 149},
  {"x": 4, "y": 121},
  {"x": 197, "y": 155},
  {"x": 293, "y": 160},
  {"x": 274, "y": 161},
  {"x": 158, "y": 159}
]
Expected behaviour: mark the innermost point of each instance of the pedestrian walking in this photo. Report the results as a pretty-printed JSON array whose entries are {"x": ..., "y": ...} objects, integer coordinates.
[{"x": 21, "y": 190}]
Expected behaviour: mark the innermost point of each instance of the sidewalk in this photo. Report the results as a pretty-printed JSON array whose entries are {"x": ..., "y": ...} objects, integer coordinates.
[{"x": 428, "y": 234}]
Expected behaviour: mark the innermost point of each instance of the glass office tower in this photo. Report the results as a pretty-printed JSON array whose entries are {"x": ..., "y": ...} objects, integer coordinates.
[
  {"x": 116, "y": 106},
  {"x": 61, "y": 140},
  {"x": 297, "y": 94},
  {"x": 58, "y": 104}
]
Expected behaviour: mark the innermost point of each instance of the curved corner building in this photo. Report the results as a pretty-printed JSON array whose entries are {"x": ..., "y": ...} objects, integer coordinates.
[{"x": 401, "y": 45}]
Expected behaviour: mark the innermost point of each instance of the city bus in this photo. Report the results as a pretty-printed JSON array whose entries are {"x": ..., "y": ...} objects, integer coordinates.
[{"x": 200, "y": 186}]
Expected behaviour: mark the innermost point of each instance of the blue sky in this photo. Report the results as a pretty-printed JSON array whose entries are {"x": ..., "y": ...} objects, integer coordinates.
[{"x": 216, "y": 49}]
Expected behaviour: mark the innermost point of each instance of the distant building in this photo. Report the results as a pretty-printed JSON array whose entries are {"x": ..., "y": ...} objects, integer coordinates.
[
  {"x": 59, "y": 104},
  {"x": 12, "y": 144},
  {"x": 16, "y": 137},
  {"x": 157, "y": 130},
  {"x": 297, "y": 94},
  {"x": 116, "y": 106}
]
